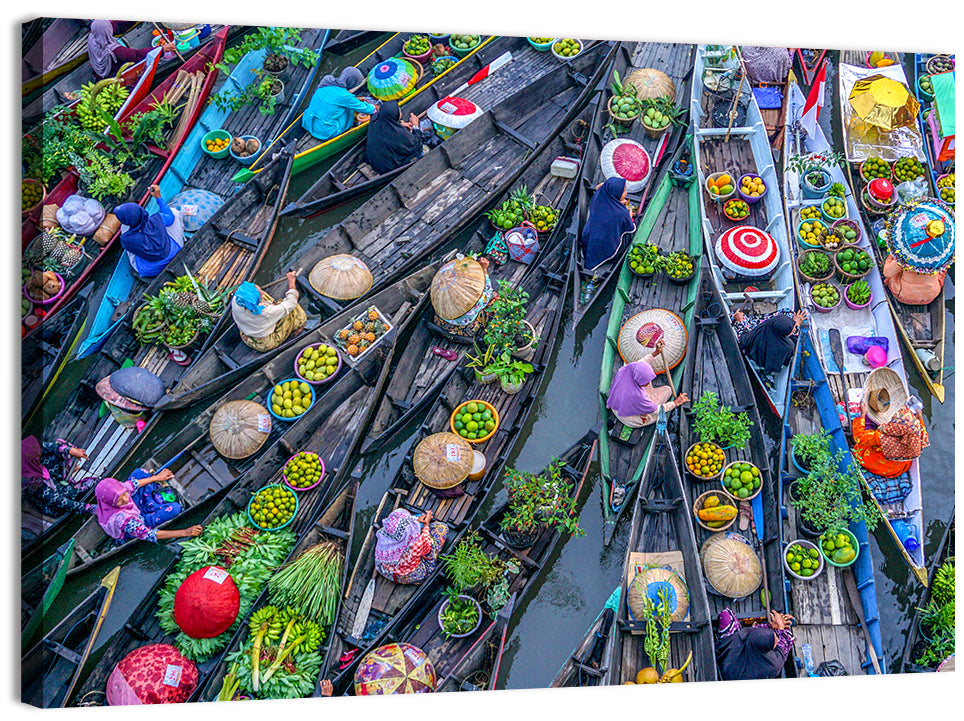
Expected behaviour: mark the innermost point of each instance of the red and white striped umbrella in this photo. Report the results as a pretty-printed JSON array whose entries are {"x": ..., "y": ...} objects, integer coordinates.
[
  {"x": 627, "y": 159},
  {"x": 746, "y": 250}
]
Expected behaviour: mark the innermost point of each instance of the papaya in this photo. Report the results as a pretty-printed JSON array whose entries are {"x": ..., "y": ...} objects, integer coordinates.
[
  {"x": 844, "y": 555},
  {"x": 717, "y": 513}
]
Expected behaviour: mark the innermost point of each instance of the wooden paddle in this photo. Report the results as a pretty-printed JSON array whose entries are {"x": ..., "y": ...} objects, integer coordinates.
[
  {"x": 282, "y": 278},
  {"x": 176, "y": 51},
  {"x": 756, "y": 504},
  {"x": 851, "y": 583},
  {"x": 836, "y": 348}
]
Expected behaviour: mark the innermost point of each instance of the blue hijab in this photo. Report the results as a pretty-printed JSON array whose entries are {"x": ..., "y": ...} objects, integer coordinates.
[
  {"x": 249, "y": 297},
  {"x": 147, "y": 236},
  {"x": 608, "y": 221}
]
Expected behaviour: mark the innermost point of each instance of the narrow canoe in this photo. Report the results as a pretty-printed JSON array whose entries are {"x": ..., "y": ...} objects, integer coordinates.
[
  {"x": 49, "y": 671},
  {"x": 589, "y": 662},
  {"x": 809, "y": 61},
  {"x": 38, "y": 589},
  {"x": 345, "y": 41},
  {"x": 931, "y": 136},
  {"x": 674, "y": 59}
]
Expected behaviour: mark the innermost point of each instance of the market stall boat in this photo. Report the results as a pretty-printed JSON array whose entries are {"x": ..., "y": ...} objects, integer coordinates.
[{"x": 808, "y": 62}]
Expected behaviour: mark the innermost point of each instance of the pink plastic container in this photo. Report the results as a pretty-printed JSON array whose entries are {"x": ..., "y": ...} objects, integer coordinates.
[{"x": 284, "y": 477}]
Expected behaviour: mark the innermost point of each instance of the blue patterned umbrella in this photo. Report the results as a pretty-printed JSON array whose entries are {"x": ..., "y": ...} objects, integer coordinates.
[
  {"x": 393, "y": 79},
  {"x": 920, "y": 235}
]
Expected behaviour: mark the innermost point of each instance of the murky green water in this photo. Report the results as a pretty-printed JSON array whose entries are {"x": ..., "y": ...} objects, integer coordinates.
[{"x": 581, "y": 576}]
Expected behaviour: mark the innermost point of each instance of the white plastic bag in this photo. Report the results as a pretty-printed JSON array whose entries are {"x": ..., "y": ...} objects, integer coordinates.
[{"x": 80, "y": 215}]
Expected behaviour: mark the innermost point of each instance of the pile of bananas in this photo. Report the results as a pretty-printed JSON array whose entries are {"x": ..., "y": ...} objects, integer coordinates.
[{"x": 107, "y": 95}]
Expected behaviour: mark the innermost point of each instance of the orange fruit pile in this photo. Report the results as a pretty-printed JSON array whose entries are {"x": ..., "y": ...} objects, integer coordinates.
[
  {"x": 216, "y": 144},
  {"x": 705, "y": 460},
  {"x": 720, "y": 185}
]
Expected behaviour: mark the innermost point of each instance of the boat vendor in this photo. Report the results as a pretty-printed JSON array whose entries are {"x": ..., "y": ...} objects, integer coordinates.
[
  {"x": 407, "y": 547},
  {"x": 461, "y": 291},
  {"x": 632, "y": 397},
  {"x": 129, "y": 393},
  {"x": 44, "y": 477},
  {"x": 333, "y": 106},
  {"x": 754, "y": 652},
  {"x": 263, "y": 322},
  {"x": 887, "y": 436},
  {"x": 608, "y": 225},
  {"x": 150, "y": 239},
  {"x": 393, "y": 142},
  {"x": 107, "y": 55},
  {"x": 768, "y": 340},
  {"x": 135, "y": 508}
]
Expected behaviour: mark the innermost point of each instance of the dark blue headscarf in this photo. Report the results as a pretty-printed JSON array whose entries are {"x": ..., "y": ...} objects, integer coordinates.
[
  {"x": 607, "y": 223},
  {"x": 147, "y": 236}
]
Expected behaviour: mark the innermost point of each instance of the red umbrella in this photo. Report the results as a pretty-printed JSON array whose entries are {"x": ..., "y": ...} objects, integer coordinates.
[{"x": 746, "y": 250}]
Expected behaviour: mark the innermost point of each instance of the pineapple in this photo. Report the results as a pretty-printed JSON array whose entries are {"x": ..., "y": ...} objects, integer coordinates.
[
  {"x": 372, "y": 314},
  {"x": 353, "y": 339},
  {"x": 358, "y": 325},
  {"x": 343, "y": 334},
  {"x": 385, "y": 327},
  {"x": 370, "y": 337},
  {"x": 370, "y": 327},
  {"x": 352, "y": 350},
  {"x": 72, "y": 255},
  {"x": 522, "y": 197},
  {"x": 48, "y": 241}
]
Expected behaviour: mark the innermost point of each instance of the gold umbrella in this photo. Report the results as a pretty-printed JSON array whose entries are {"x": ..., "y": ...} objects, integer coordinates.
[{"x": 884, "y": 102}]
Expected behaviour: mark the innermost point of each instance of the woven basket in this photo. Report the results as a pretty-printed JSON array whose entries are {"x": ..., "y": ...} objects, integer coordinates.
[
  {"x": 864, "y": 179},
  {"x": 853, "y": 225},
  {"x": 811, "y": 279},
  {"x": 442, "y": 460},
  {"x": 826, "y": 309},
  {"x": 234, "y": 428},
  {"x": 726, "y": 499},
  {"x": 646, "y": 583},
  {"x": 830, "y": 240},
  {"x": 43, "y": 196},
  {"x": 730, "y": 565},
  {"x": 714, "y": 477},
  {"x": 621, "y": 122},
  {"x": 719, "y": 198},
  {"x": 723, "y": 477},
  {"x": 848, "y": 278},
  {"x": 654, "y": 133}
]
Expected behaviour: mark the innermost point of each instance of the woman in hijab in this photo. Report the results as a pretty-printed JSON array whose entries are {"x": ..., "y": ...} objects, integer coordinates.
[
  {"x": 263, "y": 322},
  {"x": 768, "y": 340},
  {"x": 45, "y": 477},
  {"x": 608, "y": 223},
  {"x": 392, "y": 142},
  {"x": 633, "y": 398},
  {"x": 407, "y": 547},
  {"x": 151, "y": 240},
  {"x": 133, "y": 509},
  {"x": 744, "y": 654},
  {"x": 332, "y": 108},
  {"x": 107, "y": 55}
]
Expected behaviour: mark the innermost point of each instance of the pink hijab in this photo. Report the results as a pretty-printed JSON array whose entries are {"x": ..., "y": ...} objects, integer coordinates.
[
  {"x": 399, "y": 530},
  {"x": 31, "y": 466},
  {"x": 100, "y": 47},
  {"x": 113, "y": 518},
  {"x": 627, "y": 395}
]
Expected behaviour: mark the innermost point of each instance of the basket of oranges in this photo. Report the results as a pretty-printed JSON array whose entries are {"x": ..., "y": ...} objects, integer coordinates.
[
  {"x": 216, "y": 143},
  {"x": 742, "y": 480},
  {"x": 720, "y": 186},
  {"x": 705, "y": 461}
]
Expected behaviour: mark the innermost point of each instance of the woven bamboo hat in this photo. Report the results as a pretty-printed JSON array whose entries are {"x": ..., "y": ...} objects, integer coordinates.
[
  {"x": 640, "y": 333},
  {"x": 342, "y": 277},
  {"x": 442, "y": 460},
  {"x": 648, "y": 582},
  {"x": 730, "y": 565},
  {"x": 885, "y": 395},
  {"x": 239, "y": 428},
  {"x": 457, "y": 287},
  {"x": 652, "y": 83}
]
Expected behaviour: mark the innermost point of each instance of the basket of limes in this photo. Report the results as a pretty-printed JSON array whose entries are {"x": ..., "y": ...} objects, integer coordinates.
[
  {"x": 873, "y": 168},
  {"x": 303, "y": 471},
  {"x": 803, "y": 560},
  {"x": 825, "y": 297},
  {"x": 541, "y": 44},
  {"x": 852, "y": 264},
  {"x": 290, "y": 399},
  {"x": 705, "y": 460},
  {"x": 474, "y": 420},
  {"x": 566, "y": 49},
  {"x": 742, "y": 480},
  {"x": 317, "y": 363},
  {"x": 273, "y": 507},
  {"x": 840, "y": 549}
]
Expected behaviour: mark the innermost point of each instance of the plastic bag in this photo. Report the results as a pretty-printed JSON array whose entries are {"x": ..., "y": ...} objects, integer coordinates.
[
  {"x": 859, "y": 345},
  {"x": 912, "y": 190},
  {"x": 80, "y": 215},
  {"x": 523, "y": 243},
  {"x": 831, "y": 668}
]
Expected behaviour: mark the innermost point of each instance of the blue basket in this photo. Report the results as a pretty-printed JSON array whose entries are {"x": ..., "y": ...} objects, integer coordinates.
[
  {"x": 541, "y": 47},
  {"x": 268, "y": 404},
  {"x": 287, "y": 523},
  {"x": 250, "y": 158}
]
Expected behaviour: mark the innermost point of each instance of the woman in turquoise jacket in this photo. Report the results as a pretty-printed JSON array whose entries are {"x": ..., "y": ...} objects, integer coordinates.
[{"x": 332, "y": 108}]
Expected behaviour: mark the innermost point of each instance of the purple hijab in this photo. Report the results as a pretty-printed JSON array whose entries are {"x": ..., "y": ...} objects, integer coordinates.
[
  {"x": 112, "y": 517},
  {"x": 627, "y": 395},
  {"x": 100, "y": 47},
  {"x": 146, "y": 235},
  {"x": 399, "y": 530},
  {"x": 31, "y": 466}
]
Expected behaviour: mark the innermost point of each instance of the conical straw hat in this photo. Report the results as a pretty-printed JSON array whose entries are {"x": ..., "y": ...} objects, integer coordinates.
[
  {"x": 639, "y": 334},
  {"x": 652, "y": 83},
  {"x": 442, "y": 460},
  {"x": 730, "y": 565},
  {"x": 240, "y": 428},
  {"x": 457, "y": 287},
  {"x": 342, "y": 277},
  {"x": 648, "y": 582},
  {"x": 885, "y": 394}
]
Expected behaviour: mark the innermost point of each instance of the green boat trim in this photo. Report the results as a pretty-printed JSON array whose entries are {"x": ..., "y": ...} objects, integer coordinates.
[
  {"x": 610, "y": 353},
  {"x": 325, "y": 149},
  {"x": 58, "y": 559}
]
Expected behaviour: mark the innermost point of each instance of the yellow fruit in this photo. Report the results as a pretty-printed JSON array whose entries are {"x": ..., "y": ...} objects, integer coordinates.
[
  {"x": 647, "y": 675},
  {"x": 711, "y": 502}
]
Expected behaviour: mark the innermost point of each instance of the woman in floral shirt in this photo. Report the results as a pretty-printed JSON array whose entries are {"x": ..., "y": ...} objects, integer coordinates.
[
  {"x": 407, "y": 547},
  {"x": 133, "y": 509},
  {"x": 44, "y": 477}
]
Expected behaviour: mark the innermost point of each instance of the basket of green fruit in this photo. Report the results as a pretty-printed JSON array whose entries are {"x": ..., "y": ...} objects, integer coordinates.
[
  {"x": 803, "y": 560},
  {"x": 642, "y": 259},
  {"x": 807, "y": 233},
  {"x": 443, "y": 63},
  {"x": 825, "y": 297},
  {"x": 939, "y": 64},
  {"x": 945, "y": 188},
  {"x": 417, "y": 47},
  {"x": 848, "y": 229},
  {"x": 544, "y": 218},
  {"x": 317, "y": 363},
  {"x": 657, "y": 116},
  {"x": 623, "y": 109},
  {"x": 32, "y": 194},
  {"x": 839, "y": 549},
  {"x": 566, "y": 49},
  {"x": 815, "y": 266},
  {"x": 181, "y": 335},
  {"x": 857, "y": 295},
  {"x": 541, "y": 44},
  {"x": 462, "y": 45},
  {"x": 736, "y": 209},
  {"x": 273, "y": 507},
  {"x": 513, "y": 210},
  {"x": 833, "y": 209},
  {"x": 741, "y": 480},
  {"x": 873, "y": 168},
  {"x": 474, "y": 420},
  {"x": 907, "y": 169},
  {"x": 290, "y": 399},
  {"x": 678, "y": 267},
  {"x": 852, "y": 264},
  {"x": 303, "y": 471},
  {"x": 439, "y": 37},
  {"x": 925, "y": 86}
]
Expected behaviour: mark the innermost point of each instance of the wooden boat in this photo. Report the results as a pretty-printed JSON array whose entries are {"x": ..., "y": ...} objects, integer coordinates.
[
  {"x": 351, "y": 176},
  {"x": 441, "y": 193},
  {"x": 417, "y": 624},
  {"x": 832, "y": 609},
  {"x": 710, "y": 368},
  {"x": 931, "y": 141},
  {"x": 49, "y": 671},
  {"x": 589, "y": 662},
  {"x": 345, "y": 41},
  {"x": 671, "y": 222},
  {"x": 421, "y": 372},
  {"x": 202, "y": 473},
  {"x": 915, "y": 642},
  {"x": 921, "y": 327},
  {"x": 38, "y": 590},
  {"x": 201, "y": 73},
  {"x": 224, "y": 252},
  {"x": 478, "y": 668},
  {"x": 877, "y": 320},
  {"x": 808, "y": 61},
  {"x": 674, "y": 59},
  {"x": 662, "y": 535},
  {"x": 44, "y": 354},
  {"x": 389, "y": 600},
  {"x": 309, "y": 150},
  {"x": 742, "y": 149}
]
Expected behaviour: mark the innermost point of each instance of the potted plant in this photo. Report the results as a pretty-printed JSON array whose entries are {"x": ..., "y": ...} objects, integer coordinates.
[
  {"x": 511, "y": 373},
  {"x": 813, "y": 169},
  {"x": 459, "y": 615},
  {"x": 830, "y": 497},
  {"x": 102, "y": 178},
  {"x": 808, "y": 450},
  {"x": 480, "y": 362},
  {"x": 537, "y": 502},
  {"x": 715, "y": 423},
  {"x": 507, "y": 328}
]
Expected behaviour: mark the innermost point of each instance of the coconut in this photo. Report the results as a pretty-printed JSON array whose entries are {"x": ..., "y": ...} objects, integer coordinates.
[
  {"x": 238, "y": 146},
  {"x": 152, "y": 674},
  {"x": 206, "y": 603},
  {"x": 251, "y": 145}
]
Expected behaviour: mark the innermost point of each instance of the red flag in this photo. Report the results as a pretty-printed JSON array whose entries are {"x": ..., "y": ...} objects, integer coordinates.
[{"x": 811, "y": 109}]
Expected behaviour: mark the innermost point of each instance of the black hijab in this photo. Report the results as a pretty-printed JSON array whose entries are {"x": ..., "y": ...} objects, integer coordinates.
[
  {"x": 390, "y": 145},
  {"x": 749, "y": 654},
  {"x": 769, "y": 344}
]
